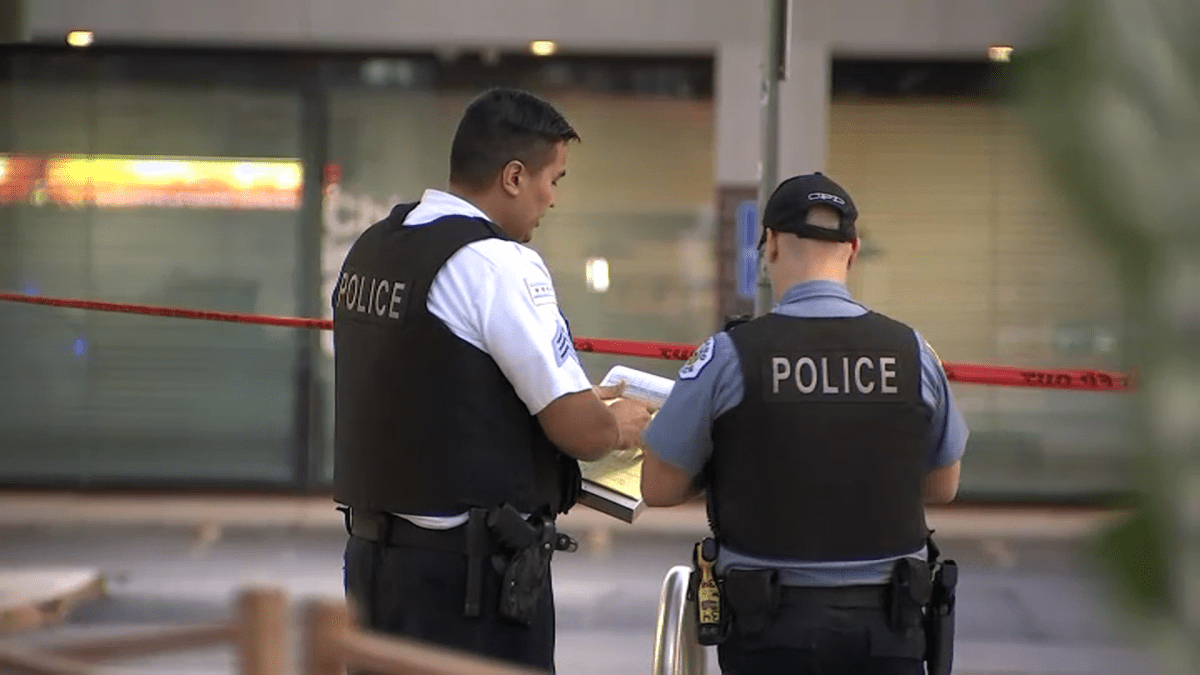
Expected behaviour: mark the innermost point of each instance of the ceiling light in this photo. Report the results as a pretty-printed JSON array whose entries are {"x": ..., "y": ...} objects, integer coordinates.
[
  {"x": 80, "y": 38},
  {"x": 1000, "y": 53},
  {"x": 543, "y": 47},
  {"x": 597, "y": 275}
]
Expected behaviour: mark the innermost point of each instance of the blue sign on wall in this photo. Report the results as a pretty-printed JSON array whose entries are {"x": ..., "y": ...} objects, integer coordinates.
[{"x": 747, "y": 248}]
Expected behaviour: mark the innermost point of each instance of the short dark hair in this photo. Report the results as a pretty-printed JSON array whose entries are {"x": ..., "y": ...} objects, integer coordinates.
[{"x": 501, "y": 125}]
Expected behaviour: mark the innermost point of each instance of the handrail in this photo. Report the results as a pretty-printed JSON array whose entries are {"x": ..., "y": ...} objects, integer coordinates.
[
  {"x": 261, "y": 637},
  {"x": 31, "y": 662},
  {"x": 676, "y": 649},
  {"x": 143, "y": 643},
  {"x": 258, "y": 632}
]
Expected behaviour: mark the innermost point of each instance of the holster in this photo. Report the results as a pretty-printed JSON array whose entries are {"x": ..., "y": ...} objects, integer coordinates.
[
  {"x": 526, "y": 547},
  {"x": 909, "y": 592},
  {"x": 479, "y": 546},
  {"x": 939, "y": 614},
  {"x": 753, "y": 597}
]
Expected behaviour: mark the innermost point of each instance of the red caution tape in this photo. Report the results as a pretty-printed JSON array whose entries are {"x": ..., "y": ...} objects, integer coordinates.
[
  {"x": 652, "y": 350},
  {"x": 1006, "y": 376},
  {"x": 174, "y": 312}
]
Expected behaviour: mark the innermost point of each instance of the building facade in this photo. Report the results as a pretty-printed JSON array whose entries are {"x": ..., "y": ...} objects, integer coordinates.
[{"x": 223, "y": 156}]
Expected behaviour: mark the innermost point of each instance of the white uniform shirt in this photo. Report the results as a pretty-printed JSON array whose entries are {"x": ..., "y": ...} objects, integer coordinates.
[{"x": 496, "y": 294}]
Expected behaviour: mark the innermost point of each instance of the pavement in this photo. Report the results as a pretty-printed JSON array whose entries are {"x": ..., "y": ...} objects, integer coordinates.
[{"x": 1030, "y": 600}]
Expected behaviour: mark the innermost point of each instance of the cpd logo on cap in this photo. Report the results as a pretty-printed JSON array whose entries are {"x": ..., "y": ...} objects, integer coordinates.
[{"x": 826, "y": 197}]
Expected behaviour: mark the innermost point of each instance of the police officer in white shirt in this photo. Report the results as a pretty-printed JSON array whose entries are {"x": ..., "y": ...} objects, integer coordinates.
[{"x": 461, "y": 405}]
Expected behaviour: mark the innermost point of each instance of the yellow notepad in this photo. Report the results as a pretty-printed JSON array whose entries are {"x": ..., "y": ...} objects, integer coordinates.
[{"x": 613, "y": 485}]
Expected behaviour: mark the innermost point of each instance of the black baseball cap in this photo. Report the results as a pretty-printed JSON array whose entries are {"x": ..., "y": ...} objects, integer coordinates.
[{"x": 787, "y": 209}]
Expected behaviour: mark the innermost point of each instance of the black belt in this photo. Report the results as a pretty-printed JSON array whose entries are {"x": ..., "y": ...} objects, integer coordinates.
[
  {"x": 393, "y": 530},
  {"x": 471, "y": 540},
  {"x": 865, "y": 597}
]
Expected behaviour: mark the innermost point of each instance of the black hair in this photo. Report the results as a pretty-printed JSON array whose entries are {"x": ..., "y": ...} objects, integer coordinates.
[{"x": 501, "y": 125}]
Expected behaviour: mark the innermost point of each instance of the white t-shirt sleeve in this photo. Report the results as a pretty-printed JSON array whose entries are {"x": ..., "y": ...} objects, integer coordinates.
[{"x": 498, "y": 296}]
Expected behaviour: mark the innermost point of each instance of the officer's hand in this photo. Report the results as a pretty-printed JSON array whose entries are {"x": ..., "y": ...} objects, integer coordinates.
[
  {"x": 632, "y": 417},
  {"x": 608, "y": 392}
]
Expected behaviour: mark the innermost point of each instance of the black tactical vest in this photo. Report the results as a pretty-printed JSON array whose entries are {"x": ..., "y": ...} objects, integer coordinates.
[
  {"x": 426, "y": 423},
  {"x": 824, "y": 457}
]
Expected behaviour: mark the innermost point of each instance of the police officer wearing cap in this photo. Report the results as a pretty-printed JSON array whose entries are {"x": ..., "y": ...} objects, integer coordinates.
[
  {"x": 819, "y": 431},
  {"x": 461, "y": 405}
]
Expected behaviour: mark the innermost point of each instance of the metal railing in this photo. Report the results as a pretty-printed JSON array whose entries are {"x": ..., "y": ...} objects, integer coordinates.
[{"x": 676, "y": 649}]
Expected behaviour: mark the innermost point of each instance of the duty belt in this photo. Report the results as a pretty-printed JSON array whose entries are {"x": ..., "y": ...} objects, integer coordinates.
[{"x": 525, "y": 547}]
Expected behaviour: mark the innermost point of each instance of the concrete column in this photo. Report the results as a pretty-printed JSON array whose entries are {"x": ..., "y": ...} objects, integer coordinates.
[
  {"x": 737, "y": 94},
  {"x": 803, "y": 139},
  {"x": 804, "y": 109}
]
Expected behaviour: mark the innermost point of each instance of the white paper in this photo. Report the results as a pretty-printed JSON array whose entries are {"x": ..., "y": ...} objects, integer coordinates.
[{"x": 639, "y": 384}]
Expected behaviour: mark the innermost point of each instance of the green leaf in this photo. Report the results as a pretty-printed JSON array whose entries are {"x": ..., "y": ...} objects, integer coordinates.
[{"x": 1133, "y": 552}]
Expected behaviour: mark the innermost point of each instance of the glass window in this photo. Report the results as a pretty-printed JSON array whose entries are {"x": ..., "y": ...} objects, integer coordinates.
[
  {"x": 131, "y": 188},
  {"x": 966, "y": 239}
]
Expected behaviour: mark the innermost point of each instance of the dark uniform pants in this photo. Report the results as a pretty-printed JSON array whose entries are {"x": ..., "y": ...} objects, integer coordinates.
[
  {"x": 820, "y": 634},
  {"x": 419, "y": 593}
]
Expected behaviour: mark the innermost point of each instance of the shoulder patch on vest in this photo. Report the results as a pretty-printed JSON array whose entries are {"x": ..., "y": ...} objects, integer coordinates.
[{"x": 704, "y": 353}]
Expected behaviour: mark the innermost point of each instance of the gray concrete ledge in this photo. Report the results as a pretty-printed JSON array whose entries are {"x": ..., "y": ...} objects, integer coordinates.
[{"x": 67, "y": 510}]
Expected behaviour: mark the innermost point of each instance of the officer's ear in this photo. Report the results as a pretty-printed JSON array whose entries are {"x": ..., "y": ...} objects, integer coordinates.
[
  {"x": 854, "y": 246},
  {"x": 512, "y": 176},
  {"x": 771, "y": 252}
]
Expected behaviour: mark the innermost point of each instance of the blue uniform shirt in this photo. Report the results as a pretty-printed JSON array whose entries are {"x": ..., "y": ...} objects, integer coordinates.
[{"x": 711, "y": 385}]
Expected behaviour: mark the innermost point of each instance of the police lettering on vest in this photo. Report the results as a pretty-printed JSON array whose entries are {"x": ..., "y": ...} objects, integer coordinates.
[
  {"x": 863, "y": 376},
  {"x": 369, "y": 296}
]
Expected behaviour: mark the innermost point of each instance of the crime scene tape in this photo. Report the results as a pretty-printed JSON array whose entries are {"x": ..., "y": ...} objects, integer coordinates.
[{"x": 1005, "y": 376}]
